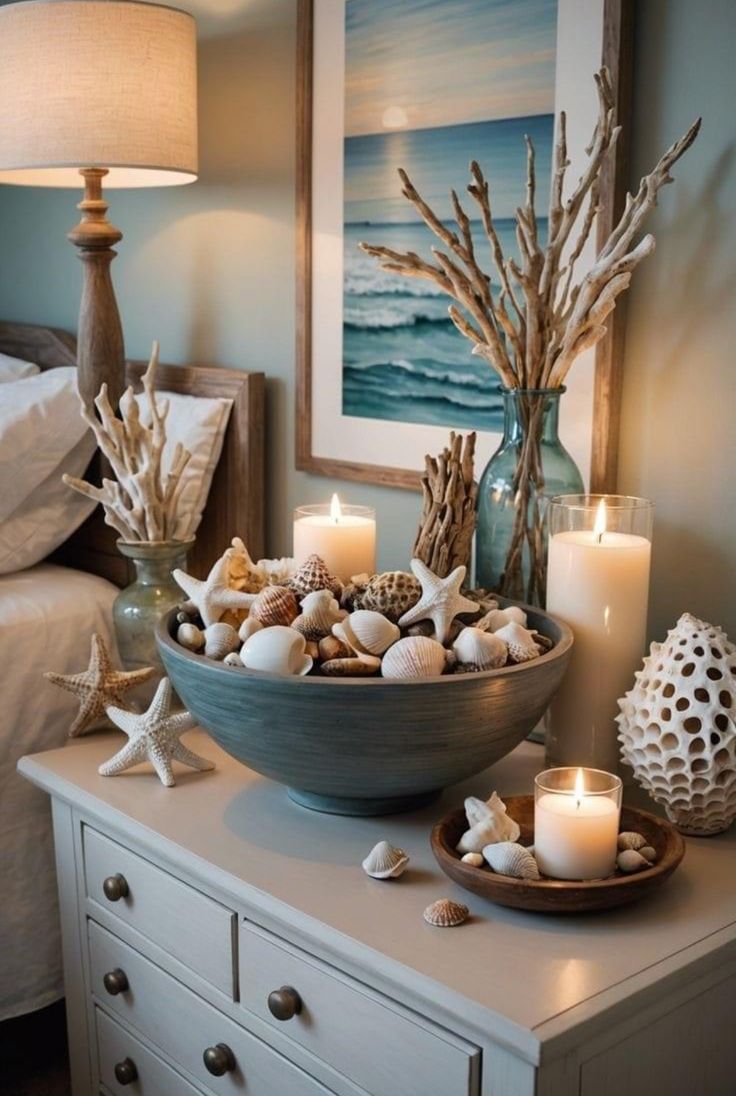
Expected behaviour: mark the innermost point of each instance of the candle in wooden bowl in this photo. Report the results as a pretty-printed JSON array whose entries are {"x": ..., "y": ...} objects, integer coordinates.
[
  {"x": 343, "y": 536},
  {"x": 598, "y": 583},
  {"x": 576, "y": 817}
]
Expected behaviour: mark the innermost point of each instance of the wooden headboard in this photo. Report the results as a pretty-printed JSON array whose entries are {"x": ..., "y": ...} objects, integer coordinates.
[{"x": 235, "y": 506}]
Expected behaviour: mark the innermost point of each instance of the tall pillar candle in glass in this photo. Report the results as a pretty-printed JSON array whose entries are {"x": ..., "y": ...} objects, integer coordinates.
[
  {"x": 598, "y": 583},
  {"x": 344, "y": 537}
]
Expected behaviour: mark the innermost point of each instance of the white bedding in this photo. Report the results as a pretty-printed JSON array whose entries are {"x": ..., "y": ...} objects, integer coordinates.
[{"x": 47, "y": 615}]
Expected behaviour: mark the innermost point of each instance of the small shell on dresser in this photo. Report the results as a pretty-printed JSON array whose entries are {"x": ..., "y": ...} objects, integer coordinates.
[
  {"x": 233, "y": 659},
  {"x": 331, "y": 647},
  {"x": 385, "y": 861},
  {"x": 627, "y": 839},
  {"x": 648, "y": 852},
  {"x": 445, "y": 914},
  {"x": 274, "y": 605},
  {"x": 314, "y": 574},
  {"x": 475, "y": 859},
  {"x": 414, "y": 657},
  {"x": 519, "y": 641},
  {"x": 248, "y": 628},
  {"x": 367, "y": 631},
  {"x": 508, "y": 858},
  {"x": 392, "y": 594},
  {"x": 353, "y": 666},
  {"x": 496, "y": 619},
  {"x": 219, "y": 640},
  {"x": 478, "y": 650},
  {"x": 190, "y": 636},
  {"x": 630, "y": 861},
  {"x": 319, "y": 612}
]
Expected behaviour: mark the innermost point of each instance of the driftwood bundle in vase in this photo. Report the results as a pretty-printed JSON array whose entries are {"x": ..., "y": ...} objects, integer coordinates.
[{"x": 446, "y": 528}]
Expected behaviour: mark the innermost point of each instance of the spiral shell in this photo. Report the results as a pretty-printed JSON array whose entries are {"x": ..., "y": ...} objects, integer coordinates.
[
  {"x": 274, "y": 605},
  {"x": 627, "y": 839},
  {"x": 677, "y": 726},
  {"x": 445, "y": 914},
  {"x": 219, "y": 640},
  {"x": 367, "y": 631},
  {"x": 385, "y": 861},
  {"x": 499, "y": 618},
  {"x": 413, "y": 657},
  {"x": 352, "y": 666},
  {"x": 519, "y": 641},
  {"x": 190, "y": 636},
  {"x": 476, "y": 650},
  {"x": 391, "y": 594},
  {"x": 319, "y": 612},
  {"x": 314, "y": 574},
  {"x": 508, "y": 858}
]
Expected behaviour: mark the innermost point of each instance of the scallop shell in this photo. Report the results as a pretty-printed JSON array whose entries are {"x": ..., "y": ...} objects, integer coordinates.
[
  {"x": 367, "y": 631},
  {"x": 475, "y": 859},
  {"x": 319, "y": 612},
  {"x": 190, "y": 636},
  {"x": 476, "y": 650},
  {"x": 331, "y": 647},
  {"x": 414, "y": 656},
  {"x": 219, "y": 640},
  {"x": 677, "y": 726},
  {"x": 314, "y": 574},
  {"x": 384, "y": 861},
  {"x": 508, "y": 858},
  {"x": 445, "y": 914},
  {"x": 630, "y": 861},
  {"x": 248, "y": 628},
  {"x": 519, "y": 641},
  {"x": 274, "y": 605},
  {"x": 391, "y": 594},
  {"x": 491, "y": 824},
  {"x": 499, "y": 618},
  {"x": 233, "y": 659},
  {"x": 627, "y": 839},
  {"x": 352, "y": 666}
]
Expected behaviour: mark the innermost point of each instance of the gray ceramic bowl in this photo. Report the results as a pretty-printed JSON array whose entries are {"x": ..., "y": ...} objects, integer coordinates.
[{"x": 367, "y": 746}]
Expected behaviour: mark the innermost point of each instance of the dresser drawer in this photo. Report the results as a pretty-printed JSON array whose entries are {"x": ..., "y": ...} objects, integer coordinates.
[
  {"x": 189, "y": 926},
  {"x": 182, "y": 1025},
  {"x": 154, "y": 1077},
  {"x": 361, "y": 1034}
]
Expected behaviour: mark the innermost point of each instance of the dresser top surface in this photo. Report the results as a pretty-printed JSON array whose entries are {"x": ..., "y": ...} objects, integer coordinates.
[{"x": 542, "y": 973}]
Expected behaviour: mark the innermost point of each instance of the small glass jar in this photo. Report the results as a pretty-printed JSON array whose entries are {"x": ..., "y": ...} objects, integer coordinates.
[
  {"x": 344, "y": 537},
  {"x": 576, "y": 822}
]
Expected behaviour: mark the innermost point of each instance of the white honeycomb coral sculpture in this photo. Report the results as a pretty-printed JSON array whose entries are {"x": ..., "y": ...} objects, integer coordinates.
[{"x": 677, "y": 726}]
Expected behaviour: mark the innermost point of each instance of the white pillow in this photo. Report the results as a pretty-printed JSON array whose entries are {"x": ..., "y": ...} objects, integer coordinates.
[
  {"x": 199, "y": 423},
  {"x": 13, "y": 369}
]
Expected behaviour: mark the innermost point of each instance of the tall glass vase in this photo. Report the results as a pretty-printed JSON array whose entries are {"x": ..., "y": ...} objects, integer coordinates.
[{"x": 530, "y": 467}]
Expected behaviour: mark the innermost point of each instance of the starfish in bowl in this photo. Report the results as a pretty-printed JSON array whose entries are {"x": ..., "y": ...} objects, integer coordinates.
[
  {"x": 441, "y": 600},
  {"x": 213, "y": 596},
  {"x": 154, "y": 736},
  {"x": 98, "y": 686}
]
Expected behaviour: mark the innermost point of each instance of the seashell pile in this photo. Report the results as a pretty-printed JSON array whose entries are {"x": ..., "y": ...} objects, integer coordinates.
[
  {"x": 398, "y": 625},
  {"x": 677, "y": 726}
]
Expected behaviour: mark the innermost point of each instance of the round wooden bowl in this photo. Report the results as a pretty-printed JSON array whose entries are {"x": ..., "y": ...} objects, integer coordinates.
[
  {"x": 368, "y": 745},
  {"x": 557, "y": 895}
]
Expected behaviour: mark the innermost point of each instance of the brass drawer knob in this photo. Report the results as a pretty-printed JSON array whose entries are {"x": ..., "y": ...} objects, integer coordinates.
[
  {"x": 115, "y": 981},
  {"x": 284, "y": 1003},
  {"x": 115, "y": 887},
  {"x": 219, "y": 1060},
  {"x": 125, "y": 1072}
]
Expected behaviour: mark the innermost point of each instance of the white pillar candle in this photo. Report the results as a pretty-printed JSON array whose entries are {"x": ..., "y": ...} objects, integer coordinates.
[
  {"x": 598, "y": 583},
  {"x": 575, "y": 833},
  {"x": 343, "y": 536}
]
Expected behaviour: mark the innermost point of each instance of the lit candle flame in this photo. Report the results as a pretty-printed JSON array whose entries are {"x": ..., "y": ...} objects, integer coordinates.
[
  {"x": 335, "y": 510},
  {"x": 599, "y": 527},
  {"x": 579, "y": 787}
]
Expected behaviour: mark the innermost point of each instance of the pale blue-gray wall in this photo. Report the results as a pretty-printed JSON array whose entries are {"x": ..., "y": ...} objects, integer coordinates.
[{"x": 209, "y": 270}]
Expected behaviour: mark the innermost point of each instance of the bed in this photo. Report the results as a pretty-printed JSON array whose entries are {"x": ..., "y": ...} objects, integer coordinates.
[{"x": 47, "y": 614}]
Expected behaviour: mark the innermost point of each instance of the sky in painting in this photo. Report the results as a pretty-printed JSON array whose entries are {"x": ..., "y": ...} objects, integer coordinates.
[{"x": 417, "y": 64}]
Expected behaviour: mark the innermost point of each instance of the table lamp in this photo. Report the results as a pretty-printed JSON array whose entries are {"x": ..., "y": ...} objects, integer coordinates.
[{"x": 102, "y": 89}]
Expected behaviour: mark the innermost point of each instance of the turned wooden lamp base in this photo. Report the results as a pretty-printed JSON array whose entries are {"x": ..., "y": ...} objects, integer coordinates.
[{"x": 100, "y": 347}]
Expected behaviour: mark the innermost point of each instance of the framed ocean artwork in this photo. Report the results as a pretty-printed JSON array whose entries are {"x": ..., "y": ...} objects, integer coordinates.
[{"x": 428, "y": 86}]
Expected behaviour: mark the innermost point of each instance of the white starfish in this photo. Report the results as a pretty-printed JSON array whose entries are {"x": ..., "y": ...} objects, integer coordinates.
[
  {"x": 154, "y": 736},
  {"x": 213, "y": 596},
  {"x": 441, "y": 600}
]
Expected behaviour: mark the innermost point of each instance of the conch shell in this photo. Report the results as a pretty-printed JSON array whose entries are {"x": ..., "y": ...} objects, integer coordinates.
[
  {"x": 477, "y": 650},
  {"x": 319, "y": 612},
  {"x": 508, "y": 858},
  {"x": 489, "y": 824}
]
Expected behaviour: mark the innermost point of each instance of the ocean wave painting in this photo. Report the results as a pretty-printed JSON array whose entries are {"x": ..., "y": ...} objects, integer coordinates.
[{"x": 403, "y": 359}]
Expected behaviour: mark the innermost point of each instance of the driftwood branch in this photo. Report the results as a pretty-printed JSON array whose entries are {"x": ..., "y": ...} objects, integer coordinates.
[{"x": 450, "y": 500}]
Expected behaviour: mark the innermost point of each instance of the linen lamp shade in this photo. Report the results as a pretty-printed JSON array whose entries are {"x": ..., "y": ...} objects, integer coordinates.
[{"x": 97, "y": 83}]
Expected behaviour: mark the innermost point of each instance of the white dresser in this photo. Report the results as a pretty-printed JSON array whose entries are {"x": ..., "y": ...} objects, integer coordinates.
[{"x": 219, "y": 939}]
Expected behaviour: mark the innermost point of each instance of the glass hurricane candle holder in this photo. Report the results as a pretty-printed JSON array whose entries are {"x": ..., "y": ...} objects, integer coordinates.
[
  {"x": 598, "y": 583},
  {"x": 576, "y": 822},
  {"x": 343, "y": 536}
]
